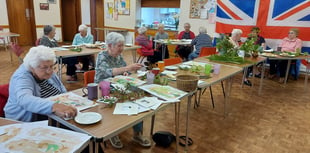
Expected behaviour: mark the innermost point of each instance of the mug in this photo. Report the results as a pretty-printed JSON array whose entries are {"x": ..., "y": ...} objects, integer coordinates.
[
  {"x": 241, "y": 53},
  {"x": 155, "y": 71},
  {"x": 150, "y": 77},
  {"x": 104, "y": 86},
  {"x": 216, "y": 68},
  {"x": 92, "y": 91},
  {"x": 161, "y": 65}
]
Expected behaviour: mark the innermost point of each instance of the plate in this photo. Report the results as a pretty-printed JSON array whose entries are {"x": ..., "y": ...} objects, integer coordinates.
[
  {"x": 66, "y": 46},
  {"x": 287, "y": 55},
  {"x": 88, "y": 118},
  {"x": 171, "y": 67},
  {"x": 128, "y": 45},
  {"x": 268, "y": 50},
  {"x": 269, "y": 55}
]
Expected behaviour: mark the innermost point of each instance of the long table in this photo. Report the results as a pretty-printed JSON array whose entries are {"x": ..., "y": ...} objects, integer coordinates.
[
  {"x": 7, "y": 36},
  {"x": 245, "y": 66},
  {"x": 60, "y": 54},
  {"x": 167, "y": 42}
]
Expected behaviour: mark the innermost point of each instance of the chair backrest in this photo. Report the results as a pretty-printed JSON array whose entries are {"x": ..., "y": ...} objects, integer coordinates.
[
  {"x": 206, "y": 51},
  {"x": 172, "y": 61},
  {"x": 89, "y": 77},
  {"x": 17, "y": 50},
  {"x": 38, "y": 41},
  {"x": 4, "y": 95}
]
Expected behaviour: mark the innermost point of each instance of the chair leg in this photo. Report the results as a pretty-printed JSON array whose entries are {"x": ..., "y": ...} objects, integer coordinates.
[
  {"x": 211, "y": 94},
  {"x": 197, "y": 101},
  {"x": 223, "y": 88}
]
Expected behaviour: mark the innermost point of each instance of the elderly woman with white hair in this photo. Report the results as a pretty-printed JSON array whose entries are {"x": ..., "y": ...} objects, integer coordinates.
[
  {"x": 111, "y": 63},
  {"x": 161, "y": 34},
  {"x": 83, "y": 37},
  {"x": 153, "y": 56},
  {"x": 202, "y": 40},
  {"x": 31, "y": 84},
  {"x": 235, "y": 37}
]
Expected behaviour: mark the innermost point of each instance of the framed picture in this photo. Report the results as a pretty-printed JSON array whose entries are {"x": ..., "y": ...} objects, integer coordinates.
[
  {"x": 44, "y": 6},
  {"x": 122, "y": 7},
  {"x": 51, "y": 1}
]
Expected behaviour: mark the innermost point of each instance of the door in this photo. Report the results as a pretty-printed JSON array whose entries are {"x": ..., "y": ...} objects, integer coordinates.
[
  {"x": 21, "y": 20},
  {"x": 70, "y": 18}
]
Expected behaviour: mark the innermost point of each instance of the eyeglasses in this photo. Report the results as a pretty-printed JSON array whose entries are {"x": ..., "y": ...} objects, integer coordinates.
[
  {"x": 291, "y": 33},
  {"x": 46, "y": 68}
]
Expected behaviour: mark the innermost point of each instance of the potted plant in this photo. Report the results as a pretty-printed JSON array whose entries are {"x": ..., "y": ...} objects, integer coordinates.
[{"x": 250, "y": 48}]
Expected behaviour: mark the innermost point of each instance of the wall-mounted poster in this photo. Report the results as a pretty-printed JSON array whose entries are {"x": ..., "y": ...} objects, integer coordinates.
[
  {"x": 109, "y": 10},
  {"x": 44, "y": 6},
  {"x": 201, "y": 8},
  {"x": 122, "y": 7}
]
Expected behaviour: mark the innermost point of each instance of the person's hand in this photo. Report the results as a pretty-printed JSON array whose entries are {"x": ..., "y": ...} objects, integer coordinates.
[
  {"x": 64, "y": 111},
  {"x": 134, "y": 67},
  {"x": 125, "y": 74}
]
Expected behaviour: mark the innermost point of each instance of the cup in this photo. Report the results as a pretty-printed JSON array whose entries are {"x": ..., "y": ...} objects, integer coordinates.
[
  {"x": 241, "y": 53},
  {"x": 155, "y": 71},
  {"x": 92, "y": 91},
  {"x": 216, "y": 68},
  {"x": 150, "y": 77},
  {"x": 104, "y": 86},
  {"x": 208, "y": 68},
  {"x": 97, "y": 42},
  {"x": 161, "y": 65}
]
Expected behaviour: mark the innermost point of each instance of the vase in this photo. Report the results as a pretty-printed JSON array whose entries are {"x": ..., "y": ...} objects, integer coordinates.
[{"x": 254, "y": 54}]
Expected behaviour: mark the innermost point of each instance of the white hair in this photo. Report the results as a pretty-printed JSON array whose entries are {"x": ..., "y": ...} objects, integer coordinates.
[
  {"x": 187, "y": 24},
  {"x": 161, "y": 25},
  {"x": 142, "y": 30},
  {"x": 38, "y": 54},
  {"x": 202, "y": 30},
  {"x": 114, "y": 37},
  {"x": 83, "y": 27},
  {"x": 236, "y": 32}
]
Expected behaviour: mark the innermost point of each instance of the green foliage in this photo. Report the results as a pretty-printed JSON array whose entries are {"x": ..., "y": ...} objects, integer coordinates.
[
  {"x": 223, "y": 44},
  {"x": 249, "y": 46},
  {"x": 228, "y": 59},
  {"x": 161, "y": 80}
]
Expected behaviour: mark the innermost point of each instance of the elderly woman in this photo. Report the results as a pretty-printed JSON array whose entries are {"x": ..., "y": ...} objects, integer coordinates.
[
  {"x": 161, "y": 34},
  {"x": 288, "y": 44},
  {"x": 184, "y": 51},
  {"x": 84, "y": 38},
  {"x": 147, "y": 46},
  {"x": 49, "y": 41},
  {"x": 202, "y": 40},
  {"x": 110, "y": 63},
  {"x": 235, "y": 39},
  {"x": 31, "y": 84}
]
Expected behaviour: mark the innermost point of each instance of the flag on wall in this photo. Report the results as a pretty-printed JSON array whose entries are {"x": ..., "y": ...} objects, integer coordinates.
[{"x": 273, "y": 17}]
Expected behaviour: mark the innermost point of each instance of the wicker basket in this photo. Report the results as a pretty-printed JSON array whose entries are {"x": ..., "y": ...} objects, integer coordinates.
[{"x": 187, "y": 82}]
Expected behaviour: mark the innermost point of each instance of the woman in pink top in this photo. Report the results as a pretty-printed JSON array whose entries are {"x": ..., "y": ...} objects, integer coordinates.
[{"x": 289, "y": 44}]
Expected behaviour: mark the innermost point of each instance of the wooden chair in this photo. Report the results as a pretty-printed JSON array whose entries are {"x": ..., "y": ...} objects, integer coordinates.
[
  {"x": 206, "y": 51},
  {"x": 38, "y": 41},
  {"x": 143, "y": 52},
  {"x": 89, "y": 77},
  {"x": 17, "y": 50},
  {"x": 2, "y": 39},
  {"x": 172, "y": 61}
]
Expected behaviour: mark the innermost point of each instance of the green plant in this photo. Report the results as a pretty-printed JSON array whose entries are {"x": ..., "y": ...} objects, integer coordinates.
[
  {"x": 249, "y": 46},
  {"x": 223, "y": 44}
]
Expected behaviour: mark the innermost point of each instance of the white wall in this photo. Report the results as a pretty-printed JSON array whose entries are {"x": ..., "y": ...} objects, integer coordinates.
[
  {"x": 47, "y": 17},
  {"x": 195, "y": 23},
  {"x": 85, "y": 10},
  {"x": 4, "y": 21}
]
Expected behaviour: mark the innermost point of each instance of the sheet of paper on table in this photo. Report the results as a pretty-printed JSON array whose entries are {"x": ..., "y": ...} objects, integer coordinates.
[{"x": 39, "y": 137}]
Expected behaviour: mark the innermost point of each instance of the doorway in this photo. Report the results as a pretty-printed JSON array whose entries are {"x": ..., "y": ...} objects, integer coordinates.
[
  {"x": 22, "y": 21},
  {"x": 70, "y": 18}
]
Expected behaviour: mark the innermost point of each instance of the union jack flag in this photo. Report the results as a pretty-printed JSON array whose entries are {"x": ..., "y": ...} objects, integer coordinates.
[{"x": 273, "y": 17}]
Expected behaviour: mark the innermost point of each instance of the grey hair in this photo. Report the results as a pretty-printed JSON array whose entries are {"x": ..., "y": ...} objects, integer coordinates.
[
  {"x": 161, "y": 25},
  {"x": 236, "y": 32},
  {"x": 202, "y": 30},
  {"x": 47, "y": 29},
  {"x": 83, "y": 27},
  {"x": 38, "y": 54},
  {"x": 114, "y": 37},
  {"x": 187, "y": 24},
  {"x": 142, "y": 30}
]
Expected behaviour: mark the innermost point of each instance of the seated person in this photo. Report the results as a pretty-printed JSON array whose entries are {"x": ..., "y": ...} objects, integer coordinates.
[
  {"x": 259, "y": 41},
  {"x": 147, "y": 46},
  {"x": 84, "y": 38},
  {"x": 202, "y": 40},
  {"x": 49, "y": 41},
  {"x": 161, "y": 34},
  {"x": 181, "y": 50},
  {"x": 31, "y": 84},
  {"x": 111, "y": 63},
  {"x": 288, "y": 44},
  {"x": 235, "y": 40}
]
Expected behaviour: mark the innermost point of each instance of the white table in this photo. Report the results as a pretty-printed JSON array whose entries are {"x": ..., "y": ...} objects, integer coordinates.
[{"x": 8, "y": 36}]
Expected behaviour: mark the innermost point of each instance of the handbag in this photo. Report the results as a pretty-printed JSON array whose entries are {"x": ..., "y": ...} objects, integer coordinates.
[{"x": 163, "y": 138}]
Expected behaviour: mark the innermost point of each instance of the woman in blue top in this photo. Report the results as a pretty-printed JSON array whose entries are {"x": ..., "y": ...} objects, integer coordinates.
[
  {"x": 31, "y": 84},
  {"x": 84, "y": 38},
  {"x": 202, "y": 40}
]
